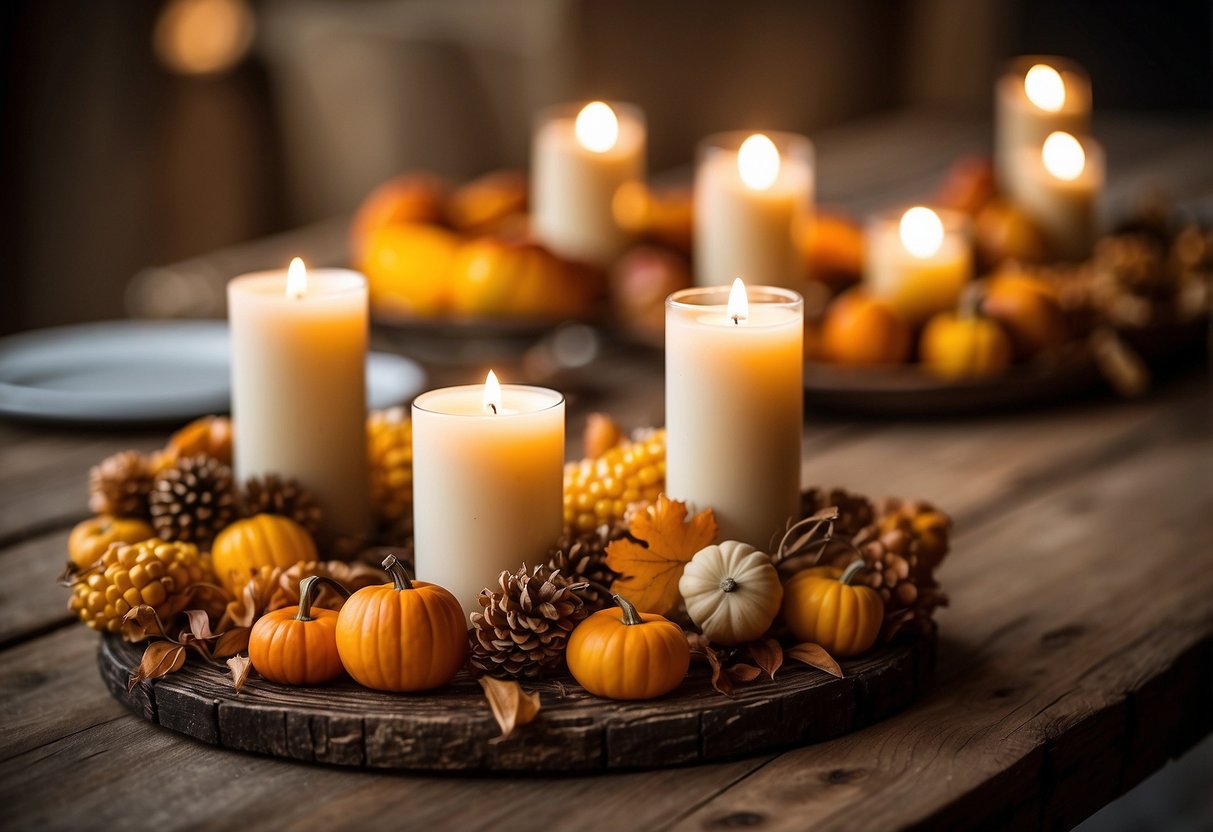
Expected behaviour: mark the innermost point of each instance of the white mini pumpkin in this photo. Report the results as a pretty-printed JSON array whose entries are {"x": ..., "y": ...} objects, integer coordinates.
[{"x": 732, "y": 592}]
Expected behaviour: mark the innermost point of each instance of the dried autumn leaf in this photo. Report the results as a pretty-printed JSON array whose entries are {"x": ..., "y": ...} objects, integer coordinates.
[
  {"x": 700, "y": 648},
  {"x": 159, "y": 659},
  {"x": 198, "y": 624},
  {"x": 659, "y": 545},
  {"x": 230, "y": 643},
  {"x": 239, "y": 667},
  {"x": 511, "y": 705},
  {"x": 353, "y": 576},
  {"x": 253, "y": 599},
  {"x": 767, "y": 654},
  {"x": 894, "y": 622},
  {"x": 141, "y": 623},
  {"x": 742, "y": 672},
  {"x": 816, "y": 656}
]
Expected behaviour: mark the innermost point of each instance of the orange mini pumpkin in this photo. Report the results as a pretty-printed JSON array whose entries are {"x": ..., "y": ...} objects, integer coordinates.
[
  {"x": 860, "y": 329},
  {"x": 620, "y": 653},
  {"x": 262, "y": 540},
  {"x": 90, "y": 538},
  {"x": 404, "y": 636},
  {"x": 207, "y": 436},
  {"x": 298, "y": 645},
  {"x": 822, "y": 606}
]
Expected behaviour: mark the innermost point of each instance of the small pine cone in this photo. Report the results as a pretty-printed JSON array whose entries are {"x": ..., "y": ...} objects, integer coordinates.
[
  {"x": 389, "y": 442},
  {"x": 1135, "y": 264},
  {"x": 119, "y": 485},
  {"x": 193, "y": 500},
  {"x": 271, "y": 494},
  {"x": 524, "y": 628},
  {"x": 931, "y": 527},
  {"x": 854, "y": 510},
  {"x": 581, "y": 558}
]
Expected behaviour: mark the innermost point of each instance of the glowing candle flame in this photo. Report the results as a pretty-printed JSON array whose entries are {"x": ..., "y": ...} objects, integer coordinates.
[
  {"x": 597, "y": 127},
  {"x": 1063, "y": 156},
  {"x": 921, "y": 232},
  {"x": 739, "y": 302},
  {"x": 1045, "y": 88},
  {"x": 296, "y": 279},
  {"x": 492, "y": 394},
  {"x": 758, "y": 162}
]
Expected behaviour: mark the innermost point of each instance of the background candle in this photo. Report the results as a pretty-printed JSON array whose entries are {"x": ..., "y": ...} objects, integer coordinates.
[
  {"x": 487, "y": 486},
  {"x": 753, "y": 197},
  {"x": 734, "y": 392},
  {"x": 918, "y": 261},
  {"x": 1035, "y": 96},
  {"x": 299, "y": 385},
  {"x": 1058, "y": 187},
  {"x": 580, "y": 159}
]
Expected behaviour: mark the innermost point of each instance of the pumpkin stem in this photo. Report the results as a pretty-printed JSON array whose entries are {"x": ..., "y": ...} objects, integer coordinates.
[
  {"x": 630, "y": 616},
  {"x": 307, "y": 591},
  {"x": 728, "y": 585},
  {"x": 972, "y": 301},
  {"x": 853, "y": 569},
  {"x": 399, "y": 574}
]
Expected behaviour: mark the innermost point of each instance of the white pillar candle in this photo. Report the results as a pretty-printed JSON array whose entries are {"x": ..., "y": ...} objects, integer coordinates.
[
  {"x": 753, "y": 198},
  {"x": 580, "y": 159},
  {"x": 919, "y": 261},
  {"x": 1035, "y": 96},
  {"x": 299, "y": 385},
  {"x": 488, "y": 463},
  {"x": 734, "y": 393},
  {"x": 1058, "y": 187}
]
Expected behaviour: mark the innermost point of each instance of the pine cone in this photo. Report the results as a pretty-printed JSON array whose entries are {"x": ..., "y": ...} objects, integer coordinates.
[
  {"x": 119, "y": 485},
  {"x": 272, "y": 494},
  {"x": 193, "y": 500},
  {"x": 389, "y": 435},
  {"x": 581, "y": 558},
  {"x": 524, "y": 628},
  {"x": 854, "y": 510}
]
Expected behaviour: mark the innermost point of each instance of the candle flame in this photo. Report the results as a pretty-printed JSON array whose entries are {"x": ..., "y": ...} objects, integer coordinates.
[
  {"x": 296, "y": 279},
  {"x": 758, "y": 162},
  {"x": 739, "y": 302},
  {"x": 597, "y": 127},
  {"x": 1045, "y": 87},
  {"x": 492, "y": 394},
  {"x": 1063, "y": 156},
  {"x": 921, "y": 232}
]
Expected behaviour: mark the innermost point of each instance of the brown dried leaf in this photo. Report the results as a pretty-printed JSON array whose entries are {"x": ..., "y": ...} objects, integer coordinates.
[
  {"x": 894, "y": 622},
  {"x": 230, "y": 643},
  {"x": 816, "y": 656},
  {"x": 511, "y": 705},
  {"x": 660, "y": 543},
  {"x": 198, "y": 624},
  {"x": 767, "y": 654},
  {"x": 141, "y": 623},
  {"x": 239, "y": 667},
  {"x": 253, "y": 599},
  {"x": 702, "y": 649},
  {"x": 159, "y": 659},
  {"x": 742, "y": 672}
]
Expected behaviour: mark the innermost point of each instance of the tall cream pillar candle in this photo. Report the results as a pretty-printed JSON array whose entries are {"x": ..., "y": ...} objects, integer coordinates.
[
  {"x": 734, "y": 393},
  {"x": 1058, "y": 187},
  {"x": 581, "y": 157},
  {"x": 1035, "y": 96},
  {"x": 299, "y": 385},
  {"x": 488, "y": 480},
  {"x": 753, "y": 199}
]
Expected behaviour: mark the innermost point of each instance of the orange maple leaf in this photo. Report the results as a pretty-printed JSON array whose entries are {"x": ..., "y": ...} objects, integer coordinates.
[{"x": 660, "y": 544}]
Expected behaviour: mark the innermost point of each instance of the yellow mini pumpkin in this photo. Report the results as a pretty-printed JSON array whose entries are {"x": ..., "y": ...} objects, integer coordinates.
[
  {"x": 298, "y": 645},
  {"x": 966, "y": 343},
  {"x": 622, "y": 654},
  {"x": 263, "y": 540},
  {"x": 732, "y": 592},
  {"x": 822, "y": 606},
  {"x": 90, "y": 538},
  {"x": 404, "y": 636}
]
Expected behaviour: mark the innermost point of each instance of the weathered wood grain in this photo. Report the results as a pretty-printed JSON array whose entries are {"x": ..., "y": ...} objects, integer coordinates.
[{"x": 32, "y": 600}]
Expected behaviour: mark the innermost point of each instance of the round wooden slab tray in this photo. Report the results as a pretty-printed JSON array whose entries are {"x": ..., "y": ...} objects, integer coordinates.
[{"x": 453, "y": 730}]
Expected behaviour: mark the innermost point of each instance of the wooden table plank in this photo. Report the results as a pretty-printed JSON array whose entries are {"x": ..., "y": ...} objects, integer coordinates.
[{"x": 32, "y": 600}]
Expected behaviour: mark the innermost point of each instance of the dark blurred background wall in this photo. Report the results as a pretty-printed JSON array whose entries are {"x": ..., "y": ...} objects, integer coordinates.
[{"x": 145, "y": 131}]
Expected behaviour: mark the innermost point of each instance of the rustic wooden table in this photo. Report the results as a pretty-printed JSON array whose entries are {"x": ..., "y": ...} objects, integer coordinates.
[{"x": 1076, "y": 658}]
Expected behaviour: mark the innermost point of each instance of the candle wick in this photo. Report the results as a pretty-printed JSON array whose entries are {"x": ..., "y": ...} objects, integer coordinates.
[
  {"x": 493, "y": 407},
  {"x": 737, "y": 320}
]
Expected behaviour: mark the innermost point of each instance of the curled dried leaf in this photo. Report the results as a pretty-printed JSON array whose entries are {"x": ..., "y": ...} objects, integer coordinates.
[
  {"x": 701, "y": 648},
  {"x": 742, "y": 672},
  {"x": 231, "y": 642},
  {"x": 159, "y": 659},
  {"x": 141, "y": 623},
  {"x": 239, "y": 667},
  {"x": 767, "y": 654},
  {"x": 253, "y": 599},
  {"x": 814, "y": 655},
  {"x": 511, "y": 705},
  {"x": 198, "y": 625}
]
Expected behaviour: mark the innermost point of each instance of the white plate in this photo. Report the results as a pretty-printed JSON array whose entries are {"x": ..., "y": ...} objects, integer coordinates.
[{"x": 123, "y": 372}]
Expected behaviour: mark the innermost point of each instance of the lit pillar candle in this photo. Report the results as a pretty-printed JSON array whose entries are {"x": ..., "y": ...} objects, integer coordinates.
[
  {"x": 918, "y": 261},
  {"x": 1037, "y": 95},
  {"x": 299, "y": 385},
  {"x": 488, "y": 479},
  {"x": 734, "y": 394},
  {"x": 580, "y": 159},
  {"x": 1058, "y": 187},
  {"x": 753, "y": 197}
]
